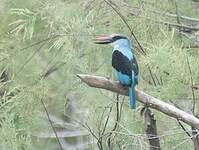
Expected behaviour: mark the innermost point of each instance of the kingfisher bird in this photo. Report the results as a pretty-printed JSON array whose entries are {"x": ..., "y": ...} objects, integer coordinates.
[{"x": 124, "y": 62}]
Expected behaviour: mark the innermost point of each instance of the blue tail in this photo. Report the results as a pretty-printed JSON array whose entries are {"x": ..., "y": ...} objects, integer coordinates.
[{"x": 132, "y": 97}]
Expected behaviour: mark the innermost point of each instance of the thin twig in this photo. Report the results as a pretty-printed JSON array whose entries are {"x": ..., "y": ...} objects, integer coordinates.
[
  {"x": 101, "y": 135},
  {"x": 178, "y": 17},
  {"x": 192, "y": 85},
  {"x": 178, "y": 21},
  {"x": 151, "y": 74},
  {"x": 116, "y": 122},
  {"x": 185, "y": 130},
  {"x": 29, "y": 59},
  {"x": 128, "y": 26},
  {"x": 107, "y": 119},
  {"x": 51, "y": 124}
]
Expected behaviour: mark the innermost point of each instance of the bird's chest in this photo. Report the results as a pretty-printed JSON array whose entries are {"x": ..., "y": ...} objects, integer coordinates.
[{"x": 123, "y": 79}]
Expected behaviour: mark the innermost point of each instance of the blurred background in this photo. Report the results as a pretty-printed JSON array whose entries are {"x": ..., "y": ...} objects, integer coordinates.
[{"x": 45, "y": 43}]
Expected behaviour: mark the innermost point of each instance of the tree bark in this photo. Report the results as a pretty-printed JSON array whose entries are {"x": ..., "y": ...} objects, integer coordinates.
[
  {"x": 151, "y": 129},
  {"x": 195, "y": 138},
  {"x": 170, "y": 110}
]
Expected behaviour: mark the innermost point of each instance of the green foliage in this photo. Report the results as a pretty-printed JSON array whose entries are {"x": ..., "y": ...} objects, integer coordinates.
[
  {"x": 44, "y": 44},
  {"x": 25, "y": 25}
]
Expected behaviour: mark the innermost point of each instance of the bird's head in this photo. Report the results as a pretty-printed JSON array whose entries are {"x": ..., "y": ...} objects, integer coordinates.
[{"x": 114, "y": 39}]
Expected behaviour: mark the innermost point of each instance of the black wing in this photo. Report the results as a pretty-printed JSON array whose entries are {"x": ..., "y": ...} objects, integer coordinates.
[
  {"x": 122, "y": 64},
  {"x": 135, "y": 66}
]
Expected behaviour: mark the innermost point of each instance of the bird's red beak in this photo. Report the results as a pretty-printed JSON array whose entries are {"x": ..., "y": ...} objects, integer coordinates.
[{"x": 103, "y": 40}]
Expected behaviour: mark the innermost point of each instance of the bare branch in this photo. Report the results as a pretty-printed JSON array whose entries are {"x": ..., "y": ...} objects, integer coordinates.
[
  {"x": 150, "y": 101},
  {"x": 175, "y": 15},
  {"x": 180, "y": 26}
]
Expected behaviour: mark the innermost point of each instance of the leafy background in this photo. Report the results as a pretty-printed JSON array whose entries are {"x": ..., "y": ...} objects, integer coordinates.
[{"x": 45, "y": 43}]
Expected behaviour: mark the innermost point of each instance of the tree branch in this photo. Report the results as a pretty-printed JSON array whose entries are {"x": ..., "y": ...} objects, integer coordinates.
[
  {"x": 151, "y": 130},
  {"x": 180, "y": 26},
  {"x": 175, "y": 15},
  {"x": 114, "y": 86}
]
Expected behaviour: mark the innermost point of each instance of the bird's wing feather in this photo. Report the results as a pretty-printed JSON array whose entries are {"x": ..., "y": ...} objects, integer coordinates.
[
  {"x": 122, "y": 64},
  {"x": 135, "y": 66}
]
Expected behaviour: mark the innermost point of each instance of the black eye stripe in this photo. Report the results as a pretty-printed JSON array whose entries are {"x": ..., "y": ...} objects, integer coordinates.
[{"x": 115, "y": 38}]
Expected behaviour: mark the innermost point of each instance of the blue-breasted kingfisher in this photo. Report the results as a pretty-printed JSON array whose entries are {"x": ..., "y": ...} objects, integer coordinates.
[{"x": 124, "y": 62}]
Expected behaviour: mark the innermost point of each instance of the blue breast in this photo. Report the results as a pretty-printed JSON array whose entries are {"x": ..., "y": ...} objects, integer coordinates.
[{"x": 124, "y": 79}]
